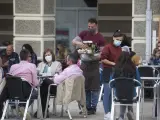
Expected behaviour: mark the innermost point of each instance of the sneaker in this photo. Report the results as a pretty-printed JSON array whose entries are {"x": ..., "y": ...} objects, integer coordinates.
[
  {"x": 21, "y": 113},
  {"x": 107, "y": 116},
  {"x": 130, "y": 115}
]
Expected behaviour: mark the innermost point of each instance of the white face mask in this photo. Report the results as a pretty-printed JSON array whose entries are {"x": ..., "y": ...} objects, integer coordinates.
[{"x": 48, "y": 58}]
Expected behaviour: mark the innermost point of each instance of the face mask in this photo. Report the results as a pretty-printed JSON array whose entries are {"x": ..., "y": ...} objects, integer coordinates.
[
  {"x": 117, "y": 43},
  {"x": 92, "y": 30},
  {"x": 48, "y": 58}
]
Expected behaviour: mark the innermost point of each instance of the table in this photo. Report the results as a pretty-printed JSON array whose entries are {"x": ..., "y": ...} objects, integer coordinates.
[
  {"x": 157, "y": 92},
  {"x": 39, "y": 106}
]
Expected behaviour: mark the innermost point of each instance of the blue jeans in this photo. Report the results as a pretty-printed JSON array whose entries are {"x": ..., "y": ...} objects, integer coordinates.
[
  {"x": 91, "y": 99},
  {"x": 107, "y": 98}
]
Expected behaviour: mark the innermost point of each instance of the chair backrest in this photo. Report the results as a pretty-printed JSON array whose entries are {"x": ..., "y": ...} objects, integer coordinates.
[
  {"x": 17, "y": 88},
  {"x": 146, "y": 71},
  {"x": 124, "y": 89},
  {"x": 74, "y": 89}
]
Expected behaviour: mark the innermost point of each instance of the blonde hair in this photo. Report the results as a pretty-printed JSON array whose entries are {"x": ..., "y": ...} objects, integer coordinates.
[{"x": 136, "y": 59}]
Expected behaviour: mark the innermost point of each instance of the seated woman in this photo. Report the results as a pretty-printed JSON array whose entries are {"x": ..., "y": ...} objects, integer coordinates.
[
  {"x": 125, "y": 68},
  {"x": 155, "y": 59},
  {"x": 33, "y": 54},
  {"x": 51, "y": 67}
]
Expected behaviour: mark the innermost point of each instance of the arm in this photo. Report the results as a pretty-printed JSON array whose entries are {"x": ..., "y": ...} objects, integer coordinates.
[
  {"x": 60, "y": 78},
  {"x": 77, "y": 41},
  {"x": 138, "y": 75},
  {"x": 105, "y": 61},
  {"x": 104, "y": 56}
]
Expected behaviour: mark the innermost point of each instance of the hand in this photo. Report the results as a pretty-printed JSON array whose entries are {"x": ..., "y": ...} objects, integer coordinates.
[{"x": 113, "y": 63}]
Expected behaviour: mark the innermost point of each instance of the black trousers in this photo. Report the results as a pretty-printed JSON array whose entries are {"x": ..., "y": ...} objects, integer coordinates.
[
  {"x": 26, "y": 92},
  {"x": 44, "y": 92}
]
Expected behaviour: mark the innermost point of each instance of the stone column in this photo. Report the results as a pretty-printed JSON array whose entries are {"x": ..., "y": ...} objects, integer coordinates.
[
  {"x": 139, "y": 24},
  {"x": 34, "y": 24}
]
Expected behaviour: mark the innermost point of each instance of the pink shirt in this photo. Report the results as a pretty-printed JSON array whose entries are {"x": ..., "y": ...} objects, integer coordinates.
[
  {"x": 26, "y": 71},
  {"x": 69, "y": 71}
]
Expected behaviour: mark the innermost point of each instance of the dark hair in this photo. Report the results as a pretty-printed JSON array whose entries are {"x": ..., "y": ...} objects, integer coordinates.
[
  {"x": 92, "y": 20},
  {"x": 48, "y": 50},
  {"x": 73, "y": 58},
  {"x": 29, "y": 48},
  {"x": 124, "y": 66},
  {"x": 118, "y": 33},
  {"x": 126, "y": 41},
  {"x": 76, "y": 53},
  {"x": 24, "y": 54}
]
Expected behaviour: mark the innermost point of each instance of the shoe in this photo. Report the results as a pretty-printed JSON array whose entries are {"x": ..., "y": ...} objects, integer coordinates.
[
  {"x": 21, "y": 113},
  {"x": 91, "y": 111},
  {"x": 130, "y": 115},
  {"x": 107, "y": 116},
  {"x": 119, "y": 118},
  {"x": 35, "y": 115}
]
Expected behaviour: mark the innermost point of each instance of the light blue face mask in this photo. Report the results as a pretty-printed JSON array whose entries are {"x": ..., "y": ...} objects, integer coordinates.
[{"x": 117, "y": 43}]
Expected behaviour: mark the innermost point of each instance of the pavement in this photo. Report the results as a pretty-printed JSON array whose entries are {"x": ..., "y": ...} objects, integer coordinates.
[{"x": 99, "y": 115}]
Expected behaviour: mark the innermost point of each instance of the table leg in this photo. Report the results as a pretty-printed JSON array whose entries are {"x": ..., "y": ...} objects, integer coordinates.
[
  {"x": 39, "y": 107},
  {"x": 142, "y": 105},
  {"x": 158, "y": 105}
]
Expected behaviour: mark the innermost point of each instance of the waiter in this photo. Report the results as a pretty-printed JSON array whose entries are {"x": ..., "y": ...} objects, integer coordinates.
[{"x": 90, "y": 67}]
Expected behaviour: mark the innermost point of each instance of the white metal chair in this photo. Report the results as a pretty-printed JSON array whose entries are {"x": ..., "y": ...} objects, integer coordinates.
[
  {"x": 72, "y": 89},
  {"x": 102, "y": 86},
  {"x": 124, "y": 95},
  {"x": 15, "y": 87}
]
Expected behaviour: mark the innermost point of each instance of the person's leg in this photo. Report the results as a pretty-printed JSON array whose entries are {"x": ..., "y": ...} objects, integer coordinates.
[
  {"x": 44, "y": 93},
  {"x": 94, "y": 99},
  {"x": 88, "y": 99},
  {"x": 130, "y": 114},
  {"x": 130, "y": 108},
  {"x": 107, "y": 98},
  {"x": 122, "y": 111}
]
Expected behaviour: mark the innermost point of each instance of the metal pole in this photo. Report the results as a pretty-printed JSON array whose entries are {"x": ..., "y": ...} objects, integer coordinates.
[{"x": 148, "y": 30}]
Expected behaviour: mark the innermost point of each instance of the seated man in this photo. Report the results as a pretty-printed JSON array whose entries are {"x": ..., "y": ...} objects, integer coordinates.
[
  {"x": 9, "y": 57},
  {"x": 27, "y": 71},
  {"x": 72, "y": 69}
]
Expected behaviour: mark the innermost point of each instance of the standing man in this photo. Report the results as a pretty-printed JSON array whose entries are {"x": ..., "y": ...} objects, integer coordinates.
[
  {"x": 9, "y": 57},
  {"x": 90, "y": 67}
]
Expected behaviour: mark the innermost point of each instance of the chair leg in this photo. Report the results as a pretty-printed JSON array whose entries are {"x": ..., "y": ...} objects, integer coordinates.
[
  {"x": 26, "y": 109},
  {"x": 54, "y": 106},
  {"x": 101, "y": 91},
  {"x": 80, "y": 107},
  {"x": 138, "y": 111},
  {"x": 62, "y": 111},
  {"x": 47, "y": 103},
  {"x": 69, "y": 114},
  {"x": 5, "y": 110},
  {"x": 112, "y": 111},
  {"x": 32, "y": 108}
]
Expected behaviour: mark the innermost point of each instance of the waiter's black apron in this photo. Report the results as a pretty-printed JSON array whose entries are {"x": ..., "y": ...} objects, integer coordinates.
[{"x": 91, "y": 73}]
